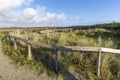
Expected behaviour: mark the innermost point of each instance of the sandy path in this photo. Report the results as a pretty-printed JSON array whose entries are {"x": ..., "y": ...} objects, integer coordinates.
[{"x": 10, "y": 71}]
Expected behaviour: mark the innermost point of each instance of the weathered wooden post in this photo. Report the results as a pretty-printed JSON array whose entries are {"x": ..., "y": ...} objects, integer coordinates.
[
  {"x": 47, "y": 33},
  {"x": 56, "y": 64},
  {"x": 56, "y": 61},
  {"x": 26, "y": 35},
  {"x": 15, "y": 45},
  {"x": 99, "y": 56},
  {"x": 98, "y": 63},
  {"x": 29, "y": 52},
  {"x": 8, "y": 38}
]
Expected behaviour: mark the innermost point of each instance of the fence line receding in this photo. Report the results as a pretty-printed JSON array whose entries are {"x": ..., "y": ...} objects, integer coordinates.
[{"x": 65, "y": 48}]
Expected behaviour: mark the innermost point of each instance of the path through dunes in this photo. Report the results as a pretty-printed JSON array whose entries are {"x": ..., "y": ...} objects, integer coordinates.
[{"x": 10, "y": 71}]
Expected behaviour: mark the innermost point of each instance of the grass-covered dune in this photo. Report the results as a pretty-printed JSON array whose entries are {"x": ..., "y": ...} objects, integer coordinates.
[{"x": 78, "y": 65}]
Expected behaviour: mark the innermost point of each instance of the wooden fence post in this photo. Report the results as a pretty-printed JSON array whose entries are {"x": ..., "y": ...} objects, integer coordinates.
[
  {"x": 56, "y": 61},
  {"x": 29, "y": 52},
  {"x": 9, "y": 39},
  {"x": 56, "y": 64},
  {"x": 15, "y": 45},
  {"x": 26, "y": 35},
  {"x": 98, "y": 63}
]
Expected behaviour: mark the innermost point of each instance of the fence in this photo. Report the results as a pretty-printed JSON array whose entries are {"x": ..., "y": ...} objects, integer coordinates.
[{"x": 65, "y": 48}]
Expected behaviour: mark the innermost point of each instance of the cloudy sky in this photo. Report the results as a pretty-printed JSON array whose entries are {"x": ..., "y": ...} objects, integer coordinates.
[{"x": 58, "y": 12}]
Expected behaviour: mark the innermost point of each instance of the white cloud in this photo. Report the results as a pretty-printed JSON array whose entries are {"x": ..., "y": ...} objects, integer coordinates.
[
  {"x": 27, "y": 16},
  {"x": 40, "y": 17},
  {"x": 8, "y": 4},
  {"x": 29, "y": 12}
]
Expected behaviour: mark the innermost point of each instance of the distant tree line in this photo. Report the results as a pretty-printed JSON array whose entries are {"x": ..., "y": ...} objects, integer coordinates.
[{"x": 113, "y": 25}]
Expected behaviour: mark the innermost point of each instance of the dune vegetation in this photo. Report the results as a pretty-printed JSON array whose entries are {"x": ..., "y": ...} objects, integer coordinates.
[{"x": 80, "y": 65}]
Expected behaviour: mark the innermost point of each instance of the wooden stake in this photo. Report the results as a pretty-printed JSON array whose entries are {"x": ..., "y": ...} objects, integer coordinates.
[
  {"x": 26, "y": 35},
  {"x": 56, "y": 64},
  {"x": 56, "y": 61},
  {"x": 29, "y": 52},
  {"x": 9, "y": 39},
  {"x": 98, "y": 63},
  {"x": 15, "y": 45}
]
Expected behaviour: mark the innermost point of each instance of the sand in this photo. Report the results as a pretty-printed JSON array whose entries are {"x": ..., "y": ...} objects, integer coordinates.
[{"x": 10, "y": 71}]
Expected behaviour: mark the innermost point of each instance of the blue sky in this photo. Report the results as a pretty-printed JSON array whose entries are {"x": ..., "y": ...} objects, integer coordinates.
[
  {"x": 88, "y": 10},
  {"x": 59, "y": 12}
]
